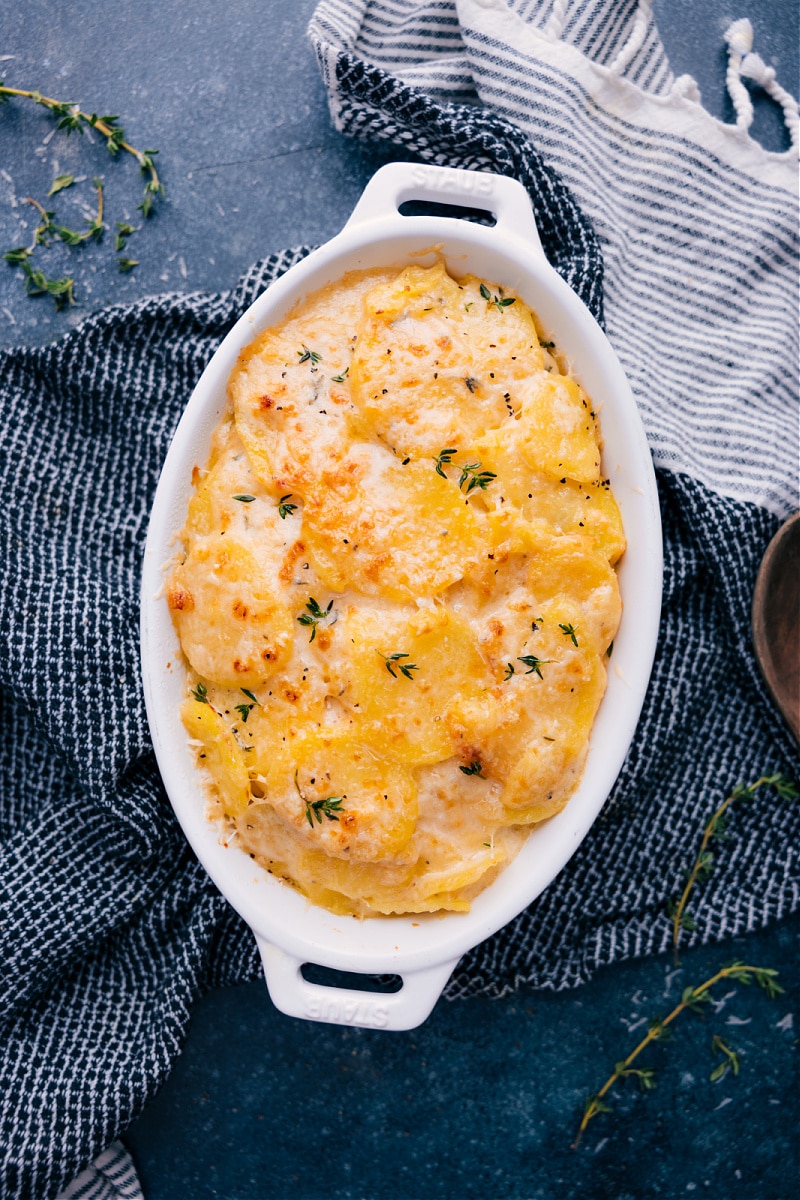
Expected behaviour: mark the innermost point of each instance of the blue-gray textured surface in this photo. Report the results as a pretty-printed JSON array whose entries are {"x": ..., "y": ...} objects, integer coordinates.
[{"x": 484, "y": 1099}]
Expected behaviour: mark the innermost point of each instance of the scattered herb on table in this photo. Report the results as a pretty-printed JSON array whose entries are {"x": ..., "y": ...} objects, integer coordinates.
[
  {"x": 71, "y": 118},
  {"x": 38, "y": 284},
  {"x": 730, "y": 1060},
  {"x": 71, "y": 237},
  {"x": 124, "y": 231},
  {"x": 59, "y": 183},
  {"x": 693, "y": 999}
]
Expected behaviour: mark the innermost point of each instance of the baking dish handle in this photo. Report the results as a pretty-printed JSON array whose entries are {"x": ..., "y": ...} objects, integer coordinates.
[
  {"x": 399, "y": 183},
  {"x": 296, "y": 997}
]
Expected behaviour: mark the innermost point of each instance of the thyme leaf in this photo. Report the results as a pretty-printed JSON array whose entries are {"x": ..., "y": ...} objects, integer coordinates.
[
  {"x": 472, "y": 475},
  {"x": 59, "y": 183},
  {"x": 15, "y": 258},
  {"x": 730, "y": 1061},
  {"x": 316, "y": 614},
  {"x": 285, "y": 509},
  {"x": 124, "y": 231},
  {"x": 38, "y": 284},
  {"x": 393, "y": 660},
  {"x": 500, "y": 302},
  {"x": 330, "y": 807},
  {"x": 444, "y": 458},
  {"x": 533, "y": 664}
]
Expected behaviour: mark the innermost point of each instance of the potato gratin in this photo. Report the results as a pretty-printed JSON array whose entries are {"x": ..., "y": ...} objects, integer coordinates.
[{"x": 396, "y": 591}]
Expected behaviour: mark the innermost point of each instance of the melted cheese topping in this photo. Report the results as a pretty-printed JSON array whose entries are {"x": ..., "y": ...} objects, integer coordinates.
[{"x": 396, "y": 593}]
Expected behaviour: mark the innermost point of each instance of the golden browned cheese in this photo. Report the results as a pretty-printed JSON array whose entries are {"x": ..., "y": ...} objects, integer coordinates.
[{"x": 396, "y": 592}]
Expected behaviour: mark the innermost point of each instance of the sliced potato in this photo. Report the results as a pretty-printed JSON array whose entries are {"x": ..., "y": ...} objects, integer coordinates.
[
  {"x": 403, "y": 671},
  {"x": 397, "y": 531},
  {"x": 220, "y": 754},
  {"x": 337, "y": 788},
  {"x": 233, "y": 628}
]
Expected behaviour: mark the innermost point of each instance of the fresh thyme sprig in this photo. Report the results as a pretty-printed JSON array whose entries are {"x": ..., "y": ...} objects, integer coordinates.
[
  {"x": 500, "y": 302},
  {"x": 200, "y": 693},
  {"x": 570, "y": 632},
  {"x": 244, "y": 710},
  {"x": 38, "y": 284},
  {"x": 730, "y": 1060},
  {"x": 306, "y": 355},
  {"x": 474, "y": 768},
  {"x": 692, "y": 998},
  {"x": 330, "y": 807},
  {"x": 96, "y": 227},
  {"x": 393, "y": 660},
  {"x": 715, "y": 829},
  {"x": 444, "y": 458},
  {"x": 71, "y": 118},
  {"x": 316, "y": 614},
  {"x": 533, "y": 664},
  {"x": 474, "y": 477},
  {"x": 45, "y": 229},
  {"x": 471, "y": 473},
  {"x": 284, "y": 508}
]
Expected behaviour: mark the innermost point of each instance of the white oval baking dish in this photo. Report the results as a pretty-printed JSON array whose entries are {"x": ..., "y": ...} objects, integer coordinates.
[{"x": 423, "y": 951}]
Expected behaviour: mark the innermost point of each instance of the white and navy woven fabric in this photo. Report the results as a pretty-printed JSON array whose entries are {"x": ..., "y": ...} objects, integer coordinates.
[{"x": 110, "y": 929}]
